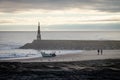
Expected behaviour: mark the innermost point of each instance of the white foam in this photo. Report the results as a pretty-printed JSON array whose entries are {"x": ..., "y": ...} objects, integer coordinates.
[{"x": 26, "y": 54}]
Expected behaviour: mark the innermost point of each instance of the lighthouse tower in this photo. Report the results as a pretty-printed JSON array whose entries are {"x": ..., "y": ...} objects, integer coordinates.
[{"x": 38, "y": 32}]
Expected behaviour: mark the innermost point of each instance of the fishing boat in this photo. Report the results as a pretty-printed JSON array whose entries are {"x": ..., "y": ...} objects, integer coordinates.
[{"x": 44, "y": 54}]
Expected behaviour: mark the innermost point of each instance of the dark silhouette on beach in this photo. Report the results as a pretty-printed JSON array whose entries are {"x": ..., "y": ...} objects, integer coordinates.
[{"x": 100, "y": 51}]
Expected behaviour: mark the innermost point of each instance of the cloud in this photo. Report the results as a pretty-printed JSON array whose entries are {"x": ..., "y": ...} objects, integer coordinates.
[
  {"x": 23, "y": 5},
  {"x": 6, "y": 21},
  {"x": 102, "y": 20}
]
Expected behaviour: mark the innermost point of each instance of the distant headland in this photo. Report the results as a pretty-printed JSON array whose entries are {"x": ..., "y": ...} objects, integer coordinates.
[{"x": 70, "y": 44}]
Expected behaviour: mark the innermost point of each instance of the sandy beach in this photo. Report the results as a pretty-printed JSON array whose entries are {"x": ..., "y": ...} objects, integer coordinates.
[
  {"x": 78, "y": 56},
  {"x": 85, "y": 65},
  {"x": 107, "y": 69}
]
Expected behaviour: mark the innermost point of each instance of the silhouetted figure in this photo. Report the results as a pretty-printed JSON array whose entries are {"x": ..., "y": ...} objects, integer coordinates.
[
  {"x": 98, "y": 51},
  {"x": 101, "y": 52}
]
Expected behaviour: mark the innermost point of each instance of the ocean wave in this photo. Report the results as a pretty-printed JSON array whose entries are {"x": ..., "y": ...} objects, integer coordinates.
[{"x": 9, "y": 46}]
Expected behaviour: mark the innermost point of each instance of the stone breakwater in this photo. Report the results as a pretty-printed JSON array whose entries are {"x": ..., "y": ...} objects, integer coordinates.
[{"x": 72, "y": 44}]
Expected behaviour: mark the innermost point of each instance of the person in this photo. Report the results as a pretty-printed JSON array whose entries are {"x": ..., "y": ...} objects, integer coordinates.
[
  {"x": 101, "y": 52},
  {"x": 98, "y": 51}
]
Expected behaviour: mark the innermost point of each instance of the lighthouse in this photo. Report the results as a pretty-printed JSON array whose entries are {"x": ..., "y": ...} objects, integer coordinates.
[{"x": 38, "y": 32}]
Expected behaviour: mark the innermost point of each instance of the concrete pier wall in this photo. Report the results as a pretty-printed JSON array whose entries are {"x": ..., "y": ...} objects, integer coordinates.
[{"x": 72, "y": 44}]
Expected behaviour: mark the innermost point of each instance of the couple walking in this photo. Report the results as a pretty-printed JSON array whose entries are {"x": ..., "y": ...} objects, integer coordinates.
[{"x": 100, "y": 51}]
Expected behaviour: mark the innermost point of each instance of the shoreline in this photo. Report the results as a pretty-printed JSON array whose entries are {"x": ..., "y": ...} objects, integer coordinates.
[{"x": 78, "y": 56}]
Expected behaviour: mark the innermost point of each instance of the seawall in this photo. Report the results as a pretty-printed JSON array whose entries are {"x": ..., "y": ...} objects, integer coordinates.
[{"x": 72, "y": 44}]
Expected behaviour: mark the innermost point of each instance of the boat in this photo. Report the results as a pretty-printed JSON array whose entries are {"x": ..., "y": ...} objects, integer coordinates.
[{"x": 52, "y": 54}]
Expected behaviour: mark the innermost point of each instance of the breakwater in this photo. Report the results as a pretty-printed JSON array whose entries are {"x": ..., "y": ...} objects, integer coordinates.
[{"x": 72, "y": 44}]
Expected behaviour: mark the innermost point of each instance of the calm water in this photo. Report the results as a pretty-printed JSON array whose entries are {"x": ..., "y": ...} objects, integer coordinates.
[
  {"x": 13, "y": 40},
  {"x": 10, "y": 41}
]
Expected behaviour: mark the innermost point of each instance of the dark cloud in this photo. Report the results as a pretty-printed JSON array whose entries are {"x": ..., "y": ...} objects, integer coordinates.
[{"x": 101, "y": 5}]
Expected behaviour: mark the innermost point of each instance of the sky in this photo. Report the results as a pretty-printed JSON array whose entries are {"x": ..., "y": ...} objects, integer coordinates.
[{"x": 60, "y": 15}]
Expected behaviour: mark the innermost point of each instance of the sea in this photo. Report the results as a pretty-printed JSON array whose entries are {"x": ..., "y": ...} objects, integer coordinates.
[{"x": 10, "y": 41}]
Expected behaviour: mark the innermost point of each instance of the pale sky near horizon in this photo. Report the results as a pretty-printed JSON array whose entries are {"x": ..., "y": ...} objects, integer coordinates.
[{"x": 80, "y": 15}]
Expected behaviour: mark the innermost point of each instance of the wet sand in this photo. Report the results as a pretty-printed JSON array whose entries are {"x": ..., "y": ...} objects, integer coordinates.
[
  {"x": 107, "y": 69},
  {"x": 79, "y": 56}
]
